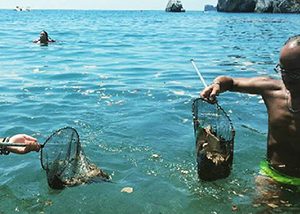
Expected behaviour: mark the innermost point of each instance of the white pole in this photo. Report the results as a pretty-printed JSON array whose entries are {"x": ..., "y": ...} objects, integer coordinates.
[{"x": 199, "y": 74}]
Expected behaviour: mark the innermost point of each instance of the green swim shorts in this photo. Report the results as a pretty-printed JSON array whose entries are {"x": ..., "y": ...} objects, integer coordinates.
[{"x": 265, "y": 169}]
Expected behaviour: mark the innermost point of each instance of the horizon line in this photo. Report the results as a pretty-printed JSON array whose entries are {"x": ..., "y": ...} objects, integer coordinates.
[{"x": 93, "y": 9}]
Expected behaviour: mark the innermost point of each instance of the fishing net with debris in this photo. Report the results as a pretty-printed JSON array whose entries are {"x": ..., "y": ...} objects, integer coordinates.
[
  {"x": 214, "y": 135},
  {"x": 63, "y": 159}
]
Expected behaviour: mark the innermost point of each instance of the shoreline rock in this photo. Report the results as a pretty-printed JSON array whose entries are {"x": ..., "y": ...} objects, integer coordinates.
[{"x": 259, "y": 6}]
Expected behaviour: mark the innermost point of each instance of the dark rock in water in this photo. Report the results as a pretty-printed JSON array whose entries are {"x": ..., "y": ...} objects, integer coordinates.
[
  {"x": 174, "y": 6},
  {"x": 260, "y": 6},
  {"x": 209, "y": 7}
]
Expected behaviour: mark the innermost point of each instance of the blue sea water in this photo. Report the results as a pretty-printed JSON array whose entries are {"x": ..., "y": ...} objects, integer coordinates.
[{"x": 124, "y": 80}]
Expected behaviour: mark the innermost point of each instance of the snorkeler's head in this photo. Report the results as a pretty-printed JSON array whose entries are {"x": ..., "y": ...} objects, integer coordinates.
[{"x": 44, "y": 36}]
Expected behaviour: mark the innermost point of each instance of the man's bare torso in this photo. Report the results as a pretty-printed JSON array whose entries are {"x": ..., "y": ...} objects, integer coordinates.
[{"x": 283, "y": 150}]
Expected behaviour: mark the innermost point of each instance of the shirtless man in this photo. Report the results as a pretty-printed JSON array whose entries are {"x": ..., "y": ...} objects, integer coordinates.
[
  {"x": 30, "y": 143},
  {"x": 44, "y": 38},
  {"x": 282, "y": 99}
]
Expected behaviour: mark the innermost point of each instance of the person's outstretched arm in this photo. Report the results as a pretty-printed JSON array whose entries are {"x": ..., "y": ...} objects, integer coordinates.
[
  {"x": 254, "y": 85},
  {"x": 51, "y": 40},
  {"x": 30, "y": 142}
]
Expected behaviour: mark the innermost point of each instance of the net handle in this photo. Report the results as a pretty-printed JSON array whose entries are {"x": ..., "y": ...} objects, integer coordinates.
[
  {"x": 16, "y": 145},
  {"x": 42, "y": 145},
  {"x": 12, "y": 144},
  {"x": 198, "y": 72},
  {"x": 203, "y": 81}
]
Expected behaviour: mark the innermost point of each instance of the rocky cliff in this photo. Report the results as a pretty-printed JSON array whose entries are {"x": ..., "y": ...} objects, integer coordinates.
[
  {"x": 236, "y": 5},
  {"x": 260, "y": 6},
  {"x": 209, "y": 7}
]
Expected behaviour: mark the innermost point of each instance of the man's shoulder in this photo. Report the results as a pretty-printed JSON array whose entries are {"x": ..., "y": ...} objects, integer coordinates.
[
  {"x": 269, "y": 79},
  {"x": 272, "y": 84},
  {"x": 267, "y": 83}
]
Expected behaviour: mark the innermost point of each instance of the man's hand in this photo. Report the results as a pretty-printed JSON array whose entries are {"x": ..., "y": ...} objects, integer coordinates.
[
  {"x": 30, "y": 142},
  {"x": 210, "y": 92}
]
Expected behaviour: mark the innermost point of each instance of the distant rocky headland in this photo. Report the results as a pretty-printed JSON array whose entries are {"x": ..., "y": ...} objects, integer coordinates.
[
  {"x": 259, "y": 6},
  {"x": 209, "y": 7}
]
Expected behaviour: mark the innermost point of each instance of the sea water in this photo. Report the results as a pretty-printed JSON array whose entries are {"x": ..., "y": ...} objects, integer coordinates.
[{"x": 124, "y": 80}]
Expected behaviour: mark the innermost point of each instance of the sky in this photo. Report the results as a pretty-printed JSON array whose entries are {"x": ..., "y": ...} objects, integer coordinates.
[{"x": 103, "y": 4}]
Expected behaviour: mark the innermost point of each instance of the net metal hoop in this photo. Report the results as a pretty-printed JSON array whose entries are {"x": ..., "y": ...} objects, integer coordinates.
[
  {"x": 214, "y": 139},
  {"x": 196, "y": 120},
  {"x": 53, "y": 135}
]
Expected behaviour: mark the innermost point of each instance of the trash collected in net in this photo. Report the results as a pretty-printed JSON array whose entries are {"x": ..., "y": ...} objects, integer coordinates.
[
  {"x": 65, "y": 163},
  {"x": 214, "y": 135}
]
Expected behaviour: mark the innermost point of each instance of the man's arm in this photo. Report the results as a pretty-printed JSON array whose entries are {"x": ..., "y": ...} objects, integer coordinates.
[{"x": 255, "y": 85}]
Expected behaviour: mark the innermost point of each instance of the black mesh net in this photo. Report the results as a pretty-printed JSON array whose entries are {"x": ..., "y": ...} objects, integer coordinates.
[
  {"x": 64, "y": 161},
  {"x": 214, "y": 135}
]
